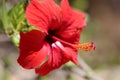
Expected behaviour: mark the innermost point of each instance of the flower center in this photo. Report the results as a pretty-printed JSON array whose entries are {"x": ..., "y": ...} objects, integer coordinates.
[{"x": 49, "y": 38}]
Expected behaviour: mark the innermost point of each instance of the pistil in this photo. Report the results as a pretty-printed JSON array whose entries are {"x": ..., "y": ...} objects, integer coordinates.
[{"x": 84, "y": 46}]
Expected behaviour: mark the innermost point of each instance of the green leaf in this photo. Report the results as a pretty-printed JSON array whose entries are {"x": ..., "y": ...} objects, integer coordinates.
[
  {"x": 1, "y": 26},
  {"x": 16, "y": 16},
  {"x": 4, "y": 15}
]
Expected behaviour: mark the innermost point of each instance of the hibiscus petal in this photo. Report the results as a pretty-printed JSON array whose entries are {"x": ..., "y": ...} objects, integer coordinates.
[
  {"x": 72, "y": 23},
  {"x": 68, "y": 52},
  {"x": 32, "y": 49},
  {"x": 56, "y": 59},
  {"x": 71, "y": 54},
  {"x": 42, "y": 14}
]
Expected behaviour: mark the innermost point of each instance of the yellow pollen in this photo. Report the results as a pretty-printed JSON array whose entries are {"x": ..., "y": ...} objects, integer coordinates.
[{"x": 85, "y": 46}]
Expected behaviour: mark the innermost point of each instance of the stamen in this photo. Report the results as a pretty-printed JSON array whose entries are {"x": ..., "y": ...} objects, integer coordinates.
[
  {"x": 85, "y": 46},
  {"x": 62, "y": 41}
]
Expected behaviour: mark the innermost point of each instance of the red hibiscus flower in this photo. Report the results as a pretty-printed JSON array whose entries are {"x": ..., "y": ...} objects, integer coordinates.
[{"x": 57, "y": 39}]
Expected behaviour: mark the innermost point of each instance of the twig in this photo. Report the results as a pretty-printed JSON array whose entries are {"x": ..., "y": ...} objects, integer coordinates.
[{"x": 86, "y": 71}]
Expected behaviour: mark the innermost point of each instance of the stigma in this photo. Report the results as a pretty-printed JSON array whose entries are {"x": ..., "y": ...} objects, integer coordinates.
[{"x": 85, "y": 46}]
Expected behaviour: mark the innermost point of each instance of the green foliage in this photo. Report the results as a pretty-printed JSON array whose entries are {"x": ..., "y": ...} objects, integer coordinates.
[
  {"x": 80, "y": 4},
  {"x": 16, "y": 21},
  {"x": 88, "y": 75},
  {"x": 70, "y": 77},
  {"x": 16, "y": 16},
  {"x": 4, "y": 15},
  {"x": 1, "y": 26},
  {"x": 5, "y": 76},
  {"x": 41, "y": 78},
  {"x": 26, "y": 2},
  {"x": 69, "y": 65},
  {"x": 13, "y": 20}
]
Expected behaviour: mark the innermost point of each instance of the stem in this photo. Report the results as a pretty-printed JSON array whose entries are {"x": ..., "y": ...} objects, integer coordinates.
[{"x": 86, "y": 70}]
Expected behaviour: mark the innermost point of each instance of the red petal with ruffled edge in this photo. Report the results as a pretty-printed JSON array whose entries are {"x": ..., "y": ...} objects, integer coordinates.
[
  {"x": 72, "y": 23},
  {"x": 43, "y": 14},
  {"x": 33, "y": 49},
  {"x": 56, "y": 59}
]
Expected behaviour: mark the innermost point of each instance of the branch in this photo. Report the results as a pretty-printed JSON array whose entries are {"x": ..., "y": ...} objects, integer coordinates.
[{"x": 85, "y": 71}]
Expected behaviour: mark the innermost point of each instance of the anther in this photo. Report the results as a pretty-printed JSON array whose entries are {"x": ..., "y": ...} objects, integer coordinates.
[{"x": 85, "y": 46}]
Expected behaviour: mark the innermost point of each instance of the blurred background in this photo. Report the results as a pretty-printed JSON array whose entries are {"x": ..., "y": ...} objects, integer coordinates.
[{"x": 103, "y": 18}]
